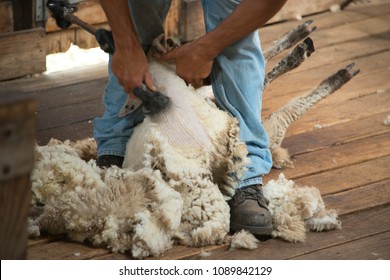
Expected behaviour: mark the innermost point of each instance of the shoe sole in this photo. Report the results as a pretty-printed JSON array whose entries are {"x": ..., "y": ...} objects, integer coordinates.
[{"x": 258, "y": 231}]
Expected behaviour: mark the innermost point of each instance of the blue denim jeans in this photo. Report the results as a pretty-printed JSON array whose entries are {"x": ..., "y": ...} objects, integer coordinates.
[{"x": 237, "y": 79}]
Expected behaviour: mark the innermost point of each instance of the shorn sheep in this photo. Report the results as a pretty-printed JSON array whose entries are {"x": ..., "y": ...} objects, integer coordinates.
[{"x": 181, "y": 167}]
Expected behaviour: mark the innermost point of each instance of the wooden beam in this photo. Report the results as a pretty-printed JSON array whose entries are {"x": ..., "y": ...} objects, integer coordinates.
[
  {"x": 22, "y": 53},
  {"x": 6, "y": 17}
]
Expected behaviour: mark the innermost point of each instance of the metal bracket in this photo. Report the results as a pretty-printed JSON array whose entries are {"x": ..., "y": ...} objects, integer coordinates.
[{"x": 40, "y": 11}]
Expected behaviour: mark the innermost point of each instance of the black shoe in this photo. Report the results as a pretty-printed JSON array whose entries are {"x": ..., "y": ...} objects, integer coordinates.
[
  {"x": 249, "y": 211},
  {"x": 109, "y": 160}
]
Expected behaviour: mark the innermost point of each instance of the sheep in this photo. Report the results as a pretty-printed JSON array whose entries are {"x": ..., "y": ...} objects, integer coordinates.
[{"x": 181, "y": 167}]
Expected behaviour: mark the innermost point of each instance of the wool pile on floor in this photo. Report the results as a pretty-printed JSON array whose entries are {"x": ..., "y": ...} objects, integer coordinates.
[{"x": 173, "y": 187}]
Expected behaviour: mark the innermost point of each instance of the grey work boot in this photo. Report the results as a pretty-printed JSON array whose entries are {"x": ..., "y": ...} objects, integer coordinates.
[{"x": 248, "y": 211}]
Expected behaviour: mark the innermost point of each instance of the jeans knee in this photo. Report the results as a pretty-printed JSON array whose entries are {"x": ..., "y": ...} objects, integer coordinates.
[{"x": 149, "y": 17}]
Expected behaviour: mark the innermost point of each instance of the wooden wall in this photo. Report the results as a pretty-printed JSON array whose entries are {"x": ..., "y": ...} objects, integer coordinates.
[
  {"x": 60, "y": 40},
  {"x": 6, "y": 18},
  {"x": 22, "y": 40},
  {"x": 22, "y": 53}
]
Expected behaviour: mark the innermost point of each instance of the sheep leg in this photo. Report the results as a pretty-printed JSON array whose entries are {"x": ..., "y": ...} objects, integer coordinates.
[
  {"x": 291, "y": 60},
  {"x": 278, "y": 122},
  {"x": 300, "y": 105},
  {"x": 289, "y": 39}
]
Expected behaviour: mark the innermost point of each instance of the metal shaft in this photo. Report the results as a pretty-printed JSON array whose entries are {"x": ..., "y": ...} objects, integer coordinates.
[{"x": 87, "y": 27}]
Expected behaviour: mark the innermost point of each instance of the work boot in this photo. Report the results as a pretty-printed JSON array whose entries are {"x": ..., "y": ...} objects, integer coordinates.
[
  {"x": 249, "y": 211},
  {"x": 109, "y": 160}
]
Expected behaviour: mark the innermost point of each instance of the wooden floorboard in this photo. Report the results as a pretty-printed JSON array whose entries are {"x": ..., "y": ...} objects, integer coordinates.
[
  {"x": 75, "y": 131},
  {"x": 58, "y": 79},
  {"x": 71, "y": 95},
  {"x": 336, "y": 135},
  {"x": 338, "y": 156},
  {"x": 349, "y": 15},
  {"x": 376, "y": 247},
  {"x": 331, "y": 114},
  {"x": 359, "y": 199},
  {"x": 353, "y": 228},
  {"x": 64, "y": 250},
  {"x": 67, "y": 114},
  {"x": 341, "y": 146},
  {"x": 349, "y": 177},
  {"x": 372, "y": 78},
  {"x": 364, "y": 41}
]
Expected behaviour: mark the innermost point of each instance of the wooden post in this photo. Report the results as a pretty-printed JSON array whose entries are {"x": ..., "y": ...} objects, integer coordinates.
[
  {"x": 23, "y": 14},
  {"x": 17, "y": 139}
]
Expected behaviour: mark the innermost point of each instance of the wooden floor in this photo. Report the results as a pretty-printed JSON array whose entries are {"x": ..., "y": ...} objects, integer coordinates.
[{"x": 341, "y": 146}]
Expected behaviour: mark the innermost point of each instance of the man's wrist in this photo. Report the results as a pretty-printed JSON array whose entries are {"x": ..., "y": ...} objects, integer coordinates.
[{"x": 207, "y": 46}]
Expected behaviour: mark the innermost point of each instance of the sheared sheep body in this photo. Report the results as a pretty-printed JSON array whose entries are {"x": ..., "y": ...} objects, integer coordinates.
[{"x": 177, "y": 175}]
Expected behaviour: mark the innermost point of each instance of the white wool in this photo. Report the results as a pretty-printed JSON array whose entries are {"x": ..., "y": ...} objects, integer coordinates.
[
  {"x": 386, "y": 121},
  {"x": 33, "y": 228},
  {"x": 205, "y": 254},
  {"x": 380, "y": 90},
  {"x": 243, "y": 240},
  {"x": 296, "y": 207},
  {"x": 170, "y": 204},
  {"x": 335, "y": 8},
  {"x": 324, "y": 220},
  {"x": 150, "y": 237}
]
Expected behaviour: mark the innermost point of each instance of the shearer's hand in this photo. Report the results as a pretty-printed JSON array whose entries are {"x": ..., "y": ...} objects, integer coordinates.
[
  {"x": 193, "y": 64},
  {"x": 131, "y": 68}
]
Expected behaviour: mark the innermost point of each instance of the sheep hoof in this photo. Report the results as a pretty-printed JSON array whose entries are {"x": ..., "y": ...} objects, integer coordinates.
[{"x": 163, "y": 45}]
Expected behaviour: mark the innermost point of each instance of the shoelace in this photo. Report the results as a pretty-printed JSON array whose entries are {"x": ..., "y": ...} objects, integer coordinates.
[{"x": 254, "y": 193}]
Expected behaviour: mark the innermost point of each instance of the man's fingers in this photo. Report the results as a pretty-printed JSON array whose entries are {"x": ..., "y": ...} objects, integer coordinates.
[
  {"x": 166, "y": 56},
  {"x": 149, "y": 83},
  {"x": 197, "y": 83},
  {"x": 131, "y": 95}
]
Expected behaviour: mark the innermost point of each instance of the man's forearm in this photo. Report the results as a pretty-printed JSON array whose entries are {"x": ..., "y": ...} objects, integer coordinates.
[
  {"x": 129, "y": 62},
  {"x": 246, "y": 18}
]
